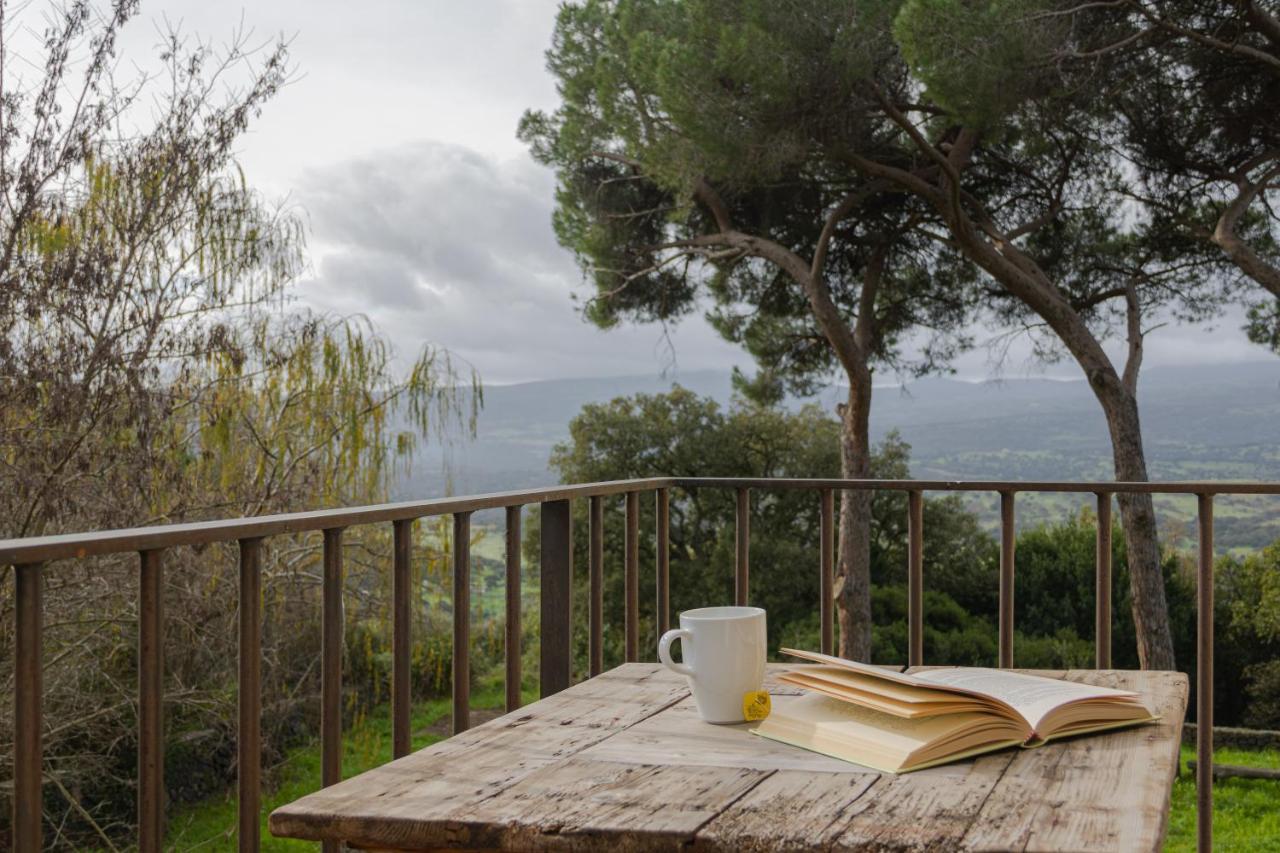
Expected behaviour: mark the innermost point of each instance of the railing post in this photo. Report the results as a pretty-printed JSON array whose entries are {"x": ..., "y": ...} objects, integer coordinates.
[
  {"x": 596, "y": 570},
  {"x": 915, "y": 578},
  {"x": 1102, "y": 595},
  {"x": 826, "y": 571},
  {"x": 28, "y": 760},
  {"x": 331, "y": 664},
  {"x": 461, "y": 675},
  {"x": 401, "y": 625},
  {"x": 1204, "y": 678},
  {"x": 1007, "y": 539},
  {"x": 557, "y": 616},
  {"x": 632, "y": 579},
  {"x": 513, "y": 590},
  {"x": 150, "y": 702},
  {"x": 662, "y": 516},
  {"x": 742, "y": 548},
  {"x": 249, "y": 698}
]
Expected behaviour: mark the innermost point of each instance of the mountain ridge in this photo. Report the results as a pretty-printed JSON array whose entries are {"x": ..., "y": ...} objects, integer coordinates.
[{"x": 1202, "y": 422}]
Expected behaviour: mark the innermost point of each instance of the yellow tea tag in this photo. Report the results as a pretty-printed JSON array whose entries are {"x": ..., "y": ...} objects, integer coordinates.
[{"x": 755, "y": 705}]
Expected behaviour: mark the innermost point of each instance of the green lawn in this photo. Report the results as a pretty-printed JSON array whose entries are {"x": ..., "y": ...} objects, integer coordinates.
[
  {"x": 210, "y": 826},
  {"x": 1246, "y": 811}
]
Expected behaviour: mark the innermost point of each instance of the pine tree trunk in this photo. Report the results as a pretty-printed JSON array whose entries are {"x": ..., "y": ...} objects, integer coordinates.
[
  {"x": 853, "y": 571},
  {"x": 1021, "y": 275},
  {"x": 1138, "y": 517}
]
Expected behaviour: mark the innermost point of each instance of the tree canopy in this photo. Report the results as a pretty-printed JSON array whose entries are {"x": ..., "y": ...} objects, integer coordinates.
[
  {"x": 1183, "y": 97},
  {"x": 681, "y": 432},
  {"x": 693, "y": 176},
  {"x": 155, "y": 367},
  {"x": 837, "y": 177}
]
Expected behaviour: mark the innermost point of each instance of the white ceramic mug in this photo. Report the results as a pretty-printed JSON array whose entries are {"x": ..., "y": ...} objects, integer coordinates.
[{"x": 723, "y": 649}]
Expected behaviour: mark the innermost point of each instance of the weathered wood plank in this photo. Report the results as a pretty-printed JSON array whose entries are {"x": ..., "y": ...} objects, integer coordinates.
[
  {"x": 1091, "y": 793},
  {"x": 417, "y": 801},
  {"x": 791, "y": 809},
  {"x": 622, "y": 761},
  {"x": 928, "y": 810},
  {"x": 680, "y": 737},
  {"x": 580, "y": 804}
]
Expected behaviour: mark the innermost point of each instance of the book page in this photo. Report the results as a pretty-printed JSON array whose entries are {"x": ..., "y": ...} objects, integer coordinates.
[
  {"x": 854, "y": 666},
  {"x": 880, "y": 740},
  {"x": 858, "y": 681},
  {"x": 1030, "y": 695},
  {"x": 845, "y": 721},
  {"x": 900, "y": 699}
]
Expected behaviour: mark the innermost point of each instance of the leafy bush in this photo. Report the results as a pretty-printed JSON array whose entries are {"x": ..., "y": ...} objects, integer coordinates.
[
  {"x": 682, "y": 434},
  {"x": 1263, "y": 688}
]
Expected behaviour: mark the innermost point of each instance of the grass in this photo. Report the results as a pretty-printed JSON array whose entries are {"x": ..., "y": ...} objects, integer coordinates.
[
  {"x": 1246, "y": 812},
  {"x": 488, "y": 575},
  {"x": 210, "y": 825}
]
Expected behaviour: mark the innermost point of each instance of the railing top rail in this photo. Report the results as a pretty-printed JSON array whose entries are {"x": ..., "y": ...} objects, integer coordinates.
[
  {"x": 1182, "y": 487},
  {"x": 74, "y": 545}
]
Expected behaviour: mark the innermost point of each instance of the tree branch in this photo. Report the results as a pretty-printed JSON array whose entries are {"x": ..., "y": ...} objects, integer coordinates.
[
  {"x": 1271, "y": 63},
  {"x": 1133, "y": 322},
  {"x": 1242, "y": 254},
  {"x": 710, "y": 199},
  {"x": 926, "y": 147},
  {"x": 865, "y": 330},
  {"x": 837, "y": 215},
  {"x": 1096, "y": 299},
  {"x": 1267, "y": 24}
]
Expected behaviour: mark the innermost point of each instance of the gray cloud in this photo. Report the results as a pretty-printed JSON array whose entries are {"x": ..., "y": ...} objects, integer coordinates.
[
  {"x": 450, "y": 241},
  {"x": 438, "y": 243},
  {"x": 373, "y": 278}
]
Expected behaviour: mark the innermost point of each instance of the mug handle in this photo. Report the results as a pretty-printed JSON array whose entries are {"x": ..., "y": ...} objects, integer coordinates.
[{"x": 664, "y": 650}]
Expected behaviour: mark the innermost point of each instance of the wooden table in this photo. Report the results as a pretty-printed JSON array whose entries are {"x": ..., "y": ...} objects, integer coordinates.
[{"x": 621, "y": 762}]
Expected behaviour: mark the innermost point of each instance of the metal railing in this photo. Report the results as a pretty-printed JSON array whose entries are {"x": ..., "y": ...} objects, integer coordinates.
[{"x": 28, "y": 557}]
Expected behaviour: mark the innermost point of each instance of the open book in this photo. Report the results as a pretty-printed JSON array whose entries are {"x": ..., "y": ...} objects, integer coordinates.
[{"x": 897, "y": 722}]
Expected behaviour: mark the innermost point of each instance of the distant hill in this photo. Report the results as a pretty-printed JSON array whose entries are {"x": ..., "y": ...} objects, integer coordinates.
[{"x": 1217, "y": 422}]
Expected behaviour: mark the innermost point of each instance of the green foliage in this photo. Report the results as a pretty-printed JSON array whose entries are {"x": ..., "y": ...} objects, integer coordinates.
[
  {"x": 154, "y": 371},
  {"x": 704, "y": 88},
  {"x": 1057, "y": 563},
  {"x": 1262, "y": 684},
  {"x": 980, "y": 60},
  {"x": 1180, "y": 95},
  {"x": 209, "y": 825},
  {"x": 951, "y": 633},
  {"x": 665, "y": 105},
  {"x": 681, "y": 434},
  {"x": 1251, "y": 588},
  {"x": 1264, "y": 323},
  {"x": 1256, "y": 579}
]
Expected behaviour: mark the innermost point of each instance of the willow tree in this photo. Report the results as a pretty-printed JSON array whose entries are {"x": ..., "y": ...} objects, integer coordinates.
[
  {"x": 693, "y": 174},
  {"x": 155, "y": 370}
]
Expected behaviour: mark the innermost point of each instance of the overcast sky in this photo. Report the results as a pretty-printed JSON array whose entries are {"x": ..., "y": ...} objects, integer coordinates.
[{"x": 397, "y": 140}]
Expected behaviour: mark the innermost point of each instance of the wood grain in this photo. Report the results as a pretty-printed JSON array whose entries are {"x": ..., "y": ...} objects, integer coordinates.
[
  {"x": 582, "y": 804},
  {"x": 928, "y": 810},
  {"x": 1124, "y": 776},
  {"x": 621, "y": 762},
  {"x": 679, "y": 736},
  {"x": 790, "y": 810}
]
